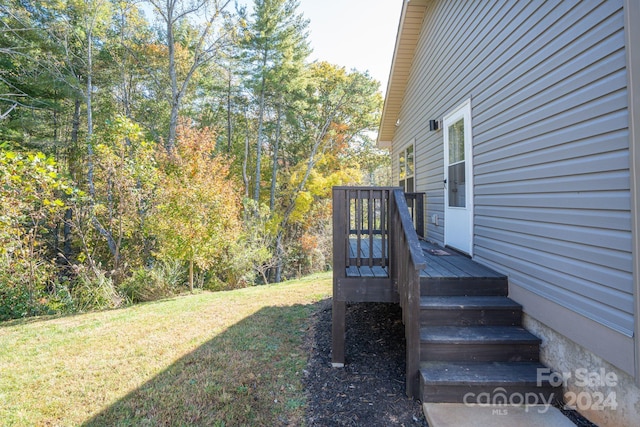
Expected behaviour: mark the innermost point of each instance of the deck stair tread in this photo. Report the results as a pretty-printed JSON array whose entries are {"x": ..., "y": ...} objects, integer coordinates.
[
  {"x": 465, "y": 336},
  {"x": 477, "y": 334},
  {"x": 491, "y": 374},
  {"x": 468, "y": 303}
]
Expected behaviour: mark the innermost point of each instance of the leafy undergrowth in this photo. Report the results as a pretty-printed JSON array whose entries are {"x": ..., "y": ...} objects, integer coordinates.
[{"x": 217, "y": 359}]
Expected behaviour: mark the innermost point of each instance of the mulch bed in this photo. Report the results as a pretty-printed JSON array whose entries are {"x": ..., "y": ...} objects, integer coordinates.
[{"x": 370, "y": 389}]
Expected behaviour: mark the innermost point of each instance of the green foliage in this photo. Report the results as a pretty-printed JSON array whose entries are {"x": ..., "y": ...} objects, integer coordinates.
[
  {"x": 197, "y": 218},
  {"x": 164, "y": 279},
  {"x": 93, "y": 290},
  {"x": 31, "y": 193},
  {"x": 91, "y": 92},
  {"x": 125, "y": 178}
]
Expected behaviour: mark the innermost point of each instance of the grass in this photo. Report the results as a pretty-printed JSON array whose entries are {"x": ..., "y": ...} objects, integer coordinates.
[{"x": 221, "y": 359}]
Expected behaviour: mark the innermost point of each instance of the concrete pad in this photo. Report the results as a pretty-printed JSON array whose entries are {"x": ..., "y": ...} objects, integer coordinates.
[{"x": 461, "y": 415}]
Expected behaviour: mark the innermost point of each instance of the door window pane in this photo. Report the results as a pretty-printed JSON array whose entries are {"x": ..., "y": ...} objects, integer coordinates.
[
  {"x": 456, "y": 185},
  {"x": 456, "y": 142}
]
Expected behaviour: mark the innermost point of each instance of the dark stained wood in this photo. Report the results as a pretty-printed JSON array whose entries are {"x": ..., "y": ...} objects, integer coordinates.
[
  {"x": 415, "y": 202},
  {"x": 451, "y": 381},
  {"x": 480, "y": 352},
  {"x": 473, "y": 334},
  {"x": 469, "y": 311},
  {"x": 454, "y": 310},
  {"x": 406, "y": 262},
  {"x": 338, "y": 314},
  {"x": 490, "y": 374},
  {"x": 341, "y": 239},
  {"x": 479, "y": 344},
  {"x": 444, "y": 286},
  {"x": 453, "y": 264},
  {"x": 384, "y": 250},
  {"x": 360, "y": 264},
  {"x": 340, "y": 257},
  {"x": 370, "y": 289}
]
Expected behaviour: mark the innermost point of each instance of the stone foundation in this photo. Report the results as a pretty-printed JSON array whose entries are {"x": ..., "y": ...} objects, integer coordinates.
[{"x": 602, "y": 393}]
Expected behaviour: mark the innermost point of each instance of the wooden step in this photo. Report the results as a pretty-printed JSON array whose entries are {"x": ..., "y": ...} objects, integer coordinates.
[
  {"x": 463, "y": 382},
  {"x": 464, "y": 286},
  {"x": 470, "y": 311},
  {"x": 478, "y": 344}
]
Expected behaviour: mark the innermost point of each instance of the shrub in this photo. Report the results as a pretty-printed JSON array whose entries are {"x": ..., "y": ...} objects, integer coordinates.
[
  {"x": 165, "y": 279},
  {"x": 93, "y": 290}
]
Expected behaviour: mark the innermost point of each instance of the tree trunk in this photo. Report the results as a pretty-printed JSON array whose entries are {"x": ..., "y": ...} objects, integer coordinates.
[
  {"x": 175, "y": 95},
  {"x": 191, "y": 276},
  {"x": 66, "y": 245},
  {"x": 229, "y": 114},
  {"x": 256, "y": 193},
  {"x": 245, "y": 178},
  {"x": 279, "y": 254},
  {"x": 274, "y": 171},
  {"x": 92, "y": 190},
  {"x": 75, "y": 169}
]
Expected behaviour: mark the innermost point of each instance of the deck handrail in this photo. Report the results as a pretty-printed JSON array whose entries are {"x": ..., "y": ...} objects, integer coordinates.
[
  {"x": 373, "y": 227},
  {"x": 406, "y": 263}
]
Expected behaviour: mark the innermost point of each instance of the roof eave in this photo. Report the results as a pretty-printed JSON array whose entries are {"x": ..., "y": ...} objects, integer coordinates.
[{"x": 406, "y": 41}]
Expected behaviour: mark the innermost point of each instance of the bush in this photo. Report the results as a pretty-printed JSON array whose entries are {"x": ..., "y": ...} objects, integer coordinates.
[
  {"x": 150, "y": 284},
  {"x": 23, "y": 288},
  {"x": 93, "y": 290},
  {"x": 14, "y": 302}
]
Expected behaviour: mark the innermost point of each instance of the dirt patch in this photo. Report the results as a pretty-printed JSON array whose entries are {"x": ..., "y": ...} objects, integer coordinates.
[{"x": 370, "y": 389}]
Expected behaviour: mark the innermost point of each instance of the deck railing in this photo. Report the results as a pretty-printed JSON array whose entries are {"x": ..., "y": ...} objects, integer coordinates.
[
  {"x": 361, "y": 226},
  {"x": 373, "y": 229},
  {"x": 415, "y": 203},
  {"x": 406, "y": 263}
]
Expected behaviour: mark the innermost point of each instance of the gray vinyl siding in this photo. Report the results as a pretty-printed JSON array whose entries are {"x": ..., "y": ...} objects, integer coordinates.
[{"x": 547, "y": 82}]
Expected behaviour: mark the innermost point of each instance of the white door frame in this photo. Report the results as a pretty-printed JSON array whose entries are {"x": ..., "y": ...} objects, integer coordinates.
[{"x": 458, "y": 221}]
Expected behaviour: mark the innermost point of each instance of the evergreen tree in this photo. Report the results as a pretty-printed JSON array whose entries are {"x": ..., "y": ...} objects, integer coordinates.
[{"x": 275, "y": 48}]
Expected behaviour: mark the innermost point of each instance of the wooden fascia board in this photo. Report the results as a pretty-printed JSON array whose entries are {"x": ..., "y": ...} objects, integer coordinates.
[{"x": 409, "y": 28}]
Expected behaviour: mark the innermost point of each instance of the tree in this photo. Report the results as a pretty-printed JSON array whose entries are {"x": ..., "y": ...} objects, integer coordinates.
[
  {"x": 342, "y": 108},
  {"x": 31, "y": 201},
  {"x": 209, "y": 33},
  {"x": 126, "y": 174},
  {"x": 197, "y": 218},
  {"x": 275, "y": 47}
]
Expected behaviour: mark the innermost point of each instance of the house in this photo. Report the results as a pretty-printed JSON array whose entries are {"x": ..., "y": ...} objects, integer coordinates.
[{"x": 520, "y": 121}]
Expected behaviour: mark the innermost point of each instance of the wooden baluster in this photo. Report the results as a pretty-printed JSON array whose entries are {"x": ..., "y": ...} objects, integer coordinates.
[
  {"x": 370, "y": 226},
  {"x": 358, "y": 228},
  {"x": 383, "y": 227}
]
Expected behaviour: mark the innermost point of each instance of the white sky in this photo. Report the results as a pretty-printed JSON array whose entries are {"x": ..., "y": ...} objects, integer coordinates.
[{"x": 358, "y": 34}]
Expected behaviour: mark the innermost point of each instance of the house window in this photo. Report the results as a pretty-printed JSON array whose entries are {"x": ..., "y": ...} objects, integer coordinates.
[{"x": 406, "y": 167}]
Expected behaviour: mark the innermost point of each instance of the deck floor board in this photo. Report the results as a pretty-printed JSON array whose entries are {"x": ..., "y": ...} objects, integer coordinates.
[
  {"x": 442, "y": 263},
  {"x": 447, "y": 263}
]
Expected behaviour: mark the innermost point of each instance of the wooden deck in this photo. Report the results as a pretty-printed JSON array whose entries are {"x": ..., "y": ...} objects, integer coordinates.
[
  {"x": 462, "y": 332},
  {"x": 448, "y": 264},
  {"x": 442, "y": 263}
]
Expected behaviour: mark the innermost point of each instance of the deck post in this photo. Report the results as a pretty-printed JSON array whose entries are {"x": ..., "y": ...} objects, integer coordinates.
[
  {"x": 337, "y": 333},
  {"x": 341, "y": 236}
]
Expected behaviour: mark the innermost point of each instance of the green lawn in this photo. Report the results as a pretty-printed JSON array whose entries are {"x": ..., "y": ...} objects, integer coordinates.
[{"x": 226, "y": 359}]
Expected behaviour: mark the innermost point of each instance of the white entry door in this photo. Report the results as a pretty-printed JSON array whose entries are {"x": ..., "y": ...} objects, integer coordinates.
[{"x": 458, "y": 179}]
